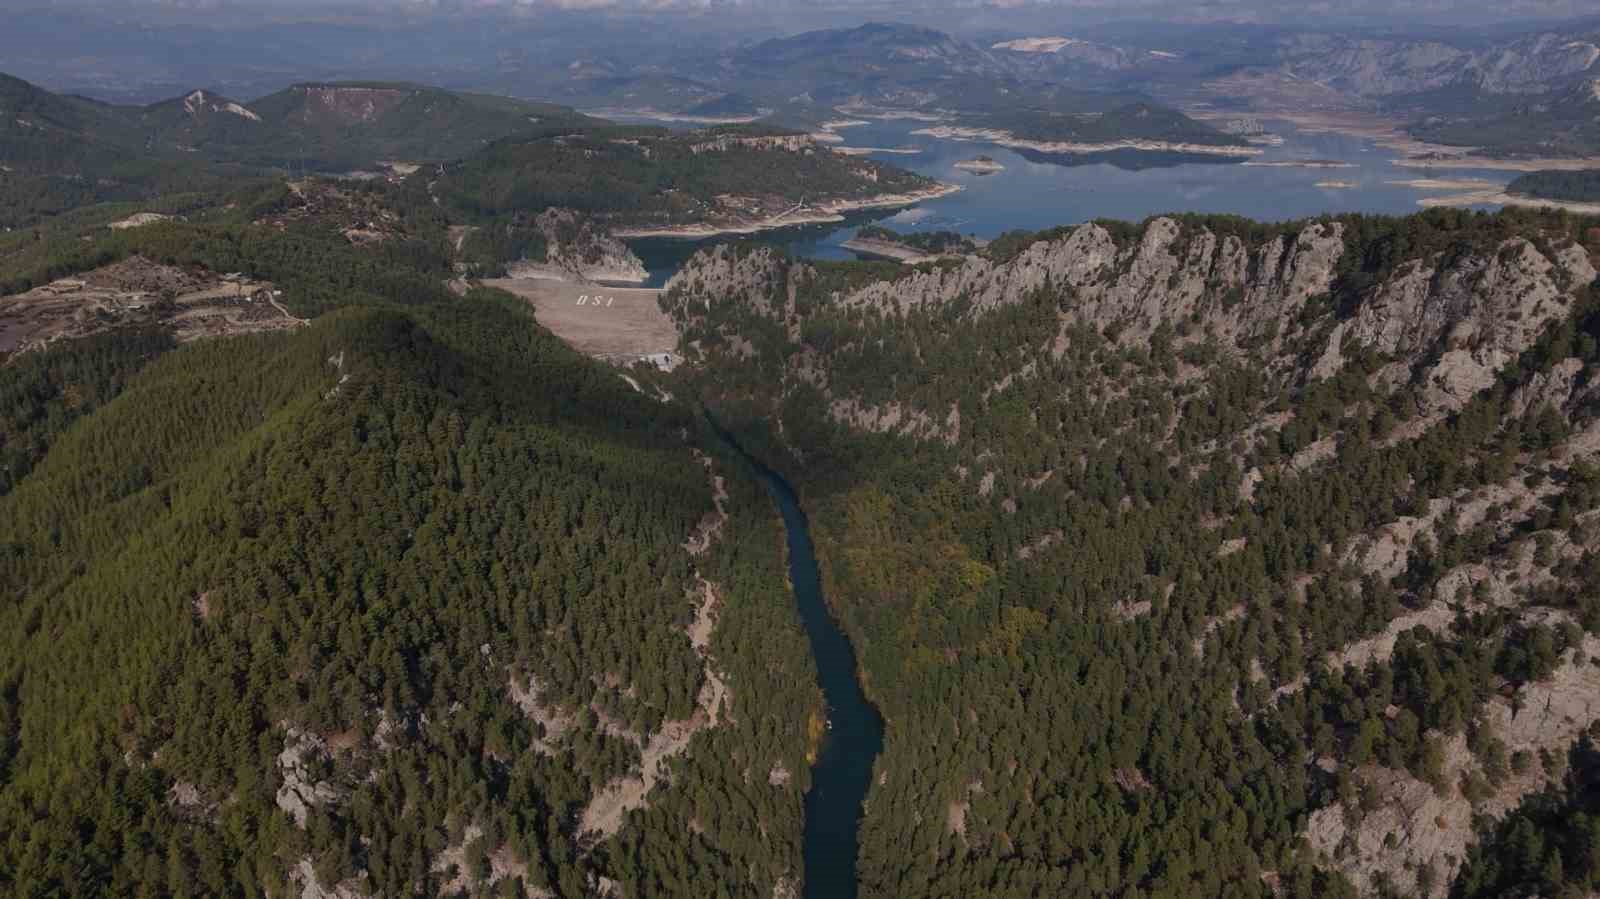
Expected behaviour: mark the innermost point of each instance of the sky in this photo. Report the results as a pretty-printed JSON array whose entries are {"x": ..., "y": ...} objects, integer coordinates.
[{"x": 1306, "y": 12}]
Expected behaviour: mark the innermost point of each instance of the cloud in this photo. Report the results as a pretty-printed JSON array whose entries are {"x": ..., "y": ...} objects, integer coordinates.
[{"x": 1285, "y": 11}]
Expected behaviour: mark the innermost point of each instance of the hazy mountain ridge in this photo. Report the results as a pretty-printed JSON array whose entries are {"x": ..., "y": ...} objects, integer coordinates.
[
  {"x": 1370, "y": 67},
  {"x": 1564, "y": 122},
  {"x": 321, "y": 126}
]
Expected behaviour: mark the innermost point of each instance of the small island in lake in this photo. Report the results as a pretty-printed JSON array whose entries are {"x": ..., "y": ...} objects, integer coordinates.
[
  {"x": 980, "y": 165},
  {"x": 1301, "y": 164}
]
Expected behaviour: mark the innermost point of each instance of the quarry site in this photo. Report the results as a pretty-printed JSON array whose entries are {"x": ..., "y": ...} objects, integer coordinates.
[{"x": 193, "y": 303}]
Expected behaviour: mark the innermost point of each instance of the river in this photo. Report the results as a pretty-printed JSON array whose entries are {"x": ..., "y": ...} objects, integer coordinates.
[{"x": 842, "y": 773}]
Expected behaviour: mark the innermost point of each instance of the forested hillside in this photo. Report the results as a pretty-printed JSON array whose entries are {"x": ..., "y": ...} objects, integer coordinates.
[
  {"x": 1579, "y": 186},
  {"x": 319, "y": 126},
  {"x": 409, "y": 599},
  {"x": 636, "y": 177},
  {"x": 1133, "y": 121},
  {"x": 1202, "y": 557},
  {"x": 59, "y": 153},
  {"x": 1557, "y": 123}
]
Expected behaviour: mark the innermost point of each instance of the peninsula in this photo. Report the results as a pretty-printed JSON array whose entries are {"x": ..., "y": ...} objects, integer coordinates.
[
  {"x": 1002, "y": 138},
  {"x": 733, "y": 221}
]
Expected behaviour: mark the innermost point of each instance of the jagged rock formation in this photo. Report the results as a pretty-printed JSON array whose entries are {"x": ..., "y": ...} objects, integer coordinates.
[
  {"x": 199, "y": 103},
  {"x": 302, "y": 790},
  {"x": 1448, "y": 324}
]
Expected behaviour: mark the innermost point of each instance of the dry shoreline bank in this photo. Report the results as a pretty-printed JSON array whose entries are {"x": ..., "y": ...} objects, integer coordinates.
[
  {"x": 1007, "y": 139},
  {"x": 1387, "y": 133},
  {"x": 828, "y": 212},
  {"x": 887, "y": 249}
]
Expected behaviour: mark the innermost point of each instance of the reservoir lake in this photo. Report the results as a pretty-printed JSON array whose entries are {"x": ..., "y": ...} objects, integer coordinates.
[{"x": 1036, "y": 192}]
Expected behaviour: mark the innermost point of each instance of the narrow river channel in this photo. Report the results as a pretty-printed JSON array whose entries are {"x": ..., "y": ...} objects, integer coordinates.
[{"x": 843, "y": 770}]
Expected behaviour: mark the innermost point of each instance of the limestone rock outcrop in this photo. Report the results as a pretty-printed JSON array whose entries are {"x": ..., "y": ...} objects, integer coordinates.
[
  {"x": 1446, "y": 323},
  {"x": 302, "y": 789},
  {"x": 578, "y": 249}
]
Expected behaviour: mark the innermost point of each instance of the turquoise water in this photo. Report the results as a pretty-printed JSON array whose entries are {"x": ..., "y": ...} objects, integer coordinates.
[
  {"x": 1036, "y": 192},
  {"x": 842, "y": 774}
]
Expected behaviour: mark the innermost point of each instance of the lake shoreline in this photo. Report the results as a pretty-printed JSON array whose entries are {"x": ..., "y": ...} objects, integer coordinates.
[
  {"x": 885, "y": 249},
  {"x": 1387, "y": 133},
  {"x": 1007, "y": 139},
  {"x": 825, "y": 213}
]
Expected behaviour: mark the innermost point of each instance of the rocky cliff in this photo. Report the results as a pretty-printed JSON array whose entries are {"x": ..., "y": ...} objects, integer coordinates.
[
  {"x": 1446, "y": 321},
  {"x": 578, "y": 249}
]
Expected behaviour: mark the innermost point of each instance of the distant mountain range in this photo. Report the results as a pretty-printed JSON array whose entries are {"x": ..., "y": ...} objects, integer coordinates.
[
  {"x": 1508, "y": 93},
  {"x": 1558, "y": 123},
  {"x": 807, "y": 79},
  {"x": 1455, "y": 83},
  {"x": 329, "y": 126}
]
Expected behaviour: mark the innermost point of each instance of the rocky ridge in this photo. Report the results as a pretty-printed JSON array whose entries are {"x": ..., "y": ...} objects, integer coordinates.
[
  {"x": 578, "y": 249},
  {"x": 1448, "y": 323}
]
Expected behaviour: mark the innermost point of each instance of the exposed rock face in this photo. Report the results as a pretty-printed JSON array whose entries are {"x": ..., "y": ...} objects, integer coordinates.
[
  {"x": 187, "y": 800},
  {"x": 1165, "y": 277},
  {"x": 553, "y": 721},
  {"x": 1414, "y": 824},
  {"x": 578, "y": 249},
  {"x": 1449, "y": 323},
  {"x": 729, "y": 274},
  {"x": 455, "y": 860},
  {"x": 793, "y": 143},
  {"x": 349, "y": 105},
  {"x": 1478, "y": 314},
  {"x": 1553, "y": 389},
  {"x": 304, "y": 875},
  {"x": 138, "y": 220},
  {"x": 302, "y": 789},
  {"x": 609, "y": 807}
]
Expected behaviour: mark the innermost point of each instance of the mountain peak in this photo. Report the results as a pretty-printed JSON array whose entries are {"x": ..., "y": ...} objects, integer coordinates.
[
  {"x": 1035, "y": 44},
  {"x": 198, "y": 103}
]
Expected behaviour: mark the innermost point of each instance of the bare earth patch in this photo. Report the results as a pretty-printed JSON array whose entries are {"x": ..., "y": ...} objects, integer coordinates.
[
  {"x": 613, "y": 323},
  {"x": 192, "y": 303},
  {"x": 609, "y": 807}
]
